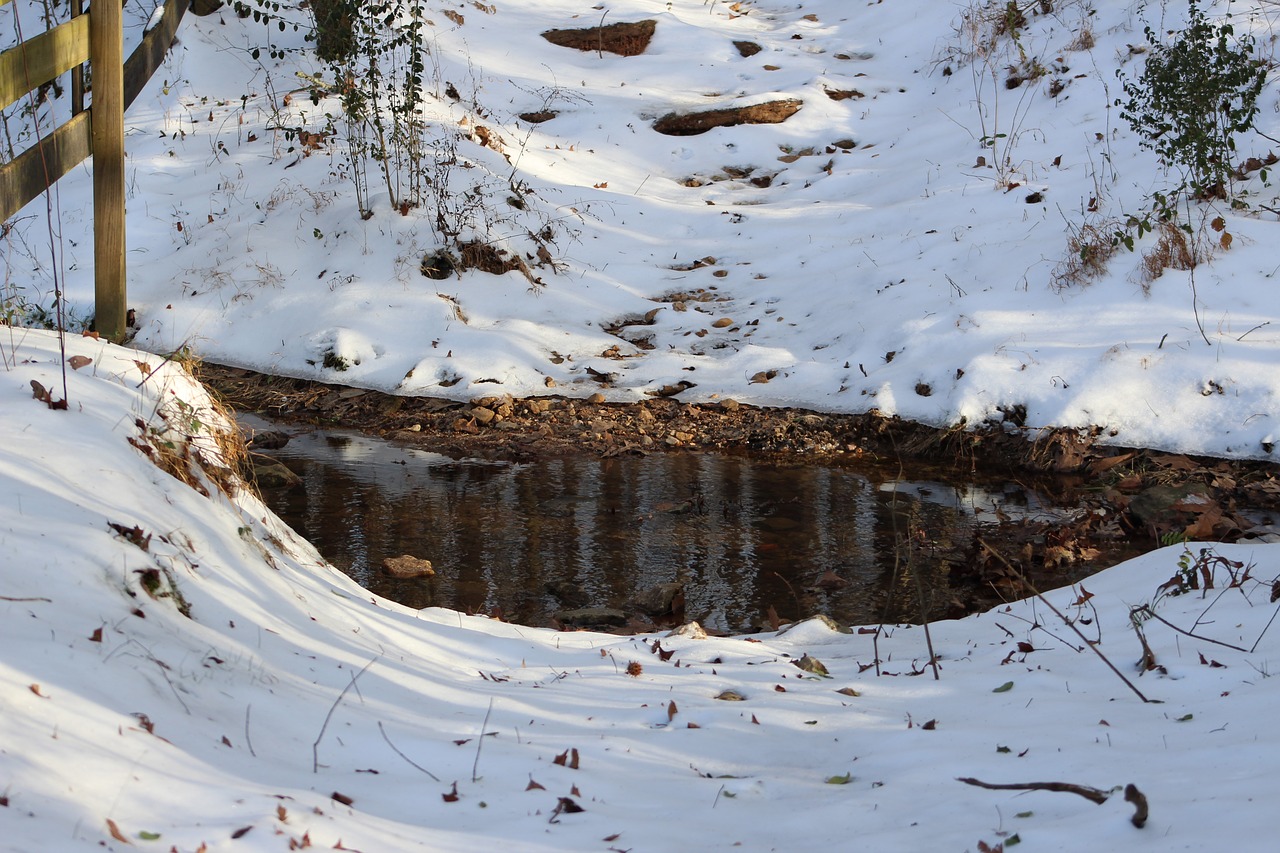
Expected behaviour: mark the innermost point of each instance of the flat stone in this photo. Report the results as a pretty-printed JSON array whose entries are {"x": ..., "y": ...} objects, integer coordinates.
[
  {"x": 661, "y": 600},
  {"x": 406, "y": 566},
  {"x": 1160, "y": 504},
  {"x": 584, "y": 617},
  {"x": 274, "y": 475}
]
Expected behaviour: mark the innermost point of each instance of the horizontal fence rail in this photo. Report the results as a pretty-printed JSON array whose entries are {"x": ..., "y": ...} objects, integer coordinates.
[
  {"x": 37, "y": 168},
  {"x": 97, "y": 132}
]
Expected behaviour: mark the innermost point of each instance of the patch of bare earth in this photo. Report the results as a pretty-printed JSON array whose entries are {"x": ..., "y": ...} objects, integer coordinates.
[
  {"x": 692, "y": 124},
  {"x": 625, "y": 39}
]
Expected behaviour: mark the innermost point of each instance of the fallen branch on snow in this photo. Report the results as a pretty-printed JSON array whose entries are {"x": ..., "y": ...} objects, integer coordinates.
[{"x": 1096, "y": 795}]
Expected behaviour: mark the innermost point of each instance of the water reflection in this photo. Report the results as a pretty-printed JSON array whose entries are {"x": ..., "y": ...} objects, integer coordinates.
[{"x": 742, "y": 534}]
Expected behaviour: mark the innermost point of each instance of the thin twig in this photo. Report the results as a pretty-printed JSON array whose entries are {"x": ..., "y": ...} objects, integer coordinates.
[
  {"x": 1254, "y": 329},
  {"x": 1265, "y": 628},
  {"x": 1147, "y": 611},
  {"x": 1064, "y": 619},
  {"x": 397, "y": 751},
  {"x": 1094, "y": 795},
  {"x": 315, "y": 747},
  {"x": 248, "y": 740},
  {"x": 924, "y": 611},
  {"x": 480, "y": 742}
]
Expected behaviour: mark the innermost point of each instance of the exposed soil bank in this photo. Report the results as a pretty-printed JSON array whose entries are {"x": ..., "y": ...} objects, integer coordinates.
[{"x": 543, "y": 427}]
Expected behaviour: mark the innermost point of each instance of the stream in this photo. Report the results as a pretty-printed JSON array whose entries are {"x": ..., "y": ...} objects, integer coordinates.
[{"x": 751, "y": 540}]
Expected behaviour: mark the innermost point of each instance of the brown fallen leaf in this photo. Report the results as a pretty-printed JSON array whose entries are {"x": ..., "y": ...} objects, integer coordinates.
[
  {"x": 79, "y": 361},
  {"x": 116, "y": 833},
  {"x": 568, "y": 758}
]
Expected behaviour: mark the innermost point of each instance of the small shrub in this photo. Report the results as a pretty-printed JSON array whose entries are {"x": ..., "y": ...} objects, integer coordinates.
[{"x": 1195, "y": 94}]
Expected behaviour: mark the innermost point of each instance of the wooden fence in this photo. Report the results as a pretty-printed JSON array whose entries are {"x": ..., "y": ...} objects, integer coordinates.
[{"x": 95, "y": 37}]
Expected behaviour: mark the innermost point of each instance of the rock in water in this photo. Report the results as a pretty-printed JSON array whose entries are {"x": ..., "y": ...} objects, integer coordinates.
[{"x": 406, "y": 566}]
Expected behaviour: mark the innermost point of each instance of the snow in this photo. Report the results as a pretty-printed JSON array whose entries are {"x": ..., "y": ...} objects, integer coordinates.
[
  {"x": 899, "y": 275},
  {"x": 288, "y": 683}
]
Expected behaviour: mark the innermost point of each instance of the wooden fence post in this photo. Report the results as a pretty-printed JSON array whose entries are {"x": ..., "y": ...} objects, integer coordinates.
[{"x": 106, "y": 58}]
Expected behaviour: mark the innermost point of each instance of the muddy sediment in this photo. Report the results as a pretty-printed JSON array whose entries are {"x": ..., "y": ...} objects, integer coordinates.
[{"x": 501, "y": 427}]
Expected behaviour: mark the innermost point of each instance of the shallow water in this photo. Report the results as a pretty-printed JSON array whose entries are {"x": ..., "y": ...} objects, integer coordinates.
[{"x": 744, "y": 535}]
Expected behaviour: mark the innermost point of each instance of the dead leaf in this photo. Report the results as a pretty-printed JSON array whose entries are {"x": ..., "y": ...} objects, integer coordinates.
[
  {"x": 35, "y": 688},
  {"x": 116, "y": 833},
  {"x": 281, "y": 814},
  {"x": 534, "y": 786},
  {"x": 565, "y": 806},
  {"x": 341, "y": 798},
  {"x": 1100, "y": 465},
  {"x": 671, "y": 711},
  {"x": 452, "y": 796},
  {"x": 568, "y": 758},
  {"x": 79, "y": 361},
  {"x": 96, "y": 636},
  {"x": 242, "y": 831}
]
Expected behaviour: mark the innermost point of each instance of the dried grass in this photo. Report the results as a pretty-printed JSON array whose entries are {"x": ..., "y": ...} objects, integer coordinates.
[
  {"x": 1089, "y": 252},
  {"x": 1174, "y": 249},
  {"x": 197, "y": 445}
]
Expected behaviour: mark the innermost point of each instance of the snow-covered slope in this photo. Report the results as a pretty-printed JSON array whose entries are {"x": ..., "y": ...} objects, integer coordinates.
[
  {"x": 291, "y": 709},
  {"x": 898, "y": 243}
]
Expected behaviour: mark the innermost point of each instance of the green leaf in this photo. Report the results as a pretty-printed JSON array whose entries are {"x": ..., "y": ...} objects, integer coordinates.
[
  {"x": 149, "y": 836},
  {"x": 840, "y": 780},
  {"x": 1004, "y": 688},
  {"x": 1012, "y": 840},
  {"x": 1003, "y": 749},
  {"x": 1024, "y": 814},
  {"x": 1184, "y": 718}
]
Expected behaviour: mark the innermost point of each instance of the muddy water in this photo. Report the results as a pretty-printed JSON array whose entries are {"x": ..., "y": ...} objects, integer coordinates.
[{"x": 528, "y": 540}]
